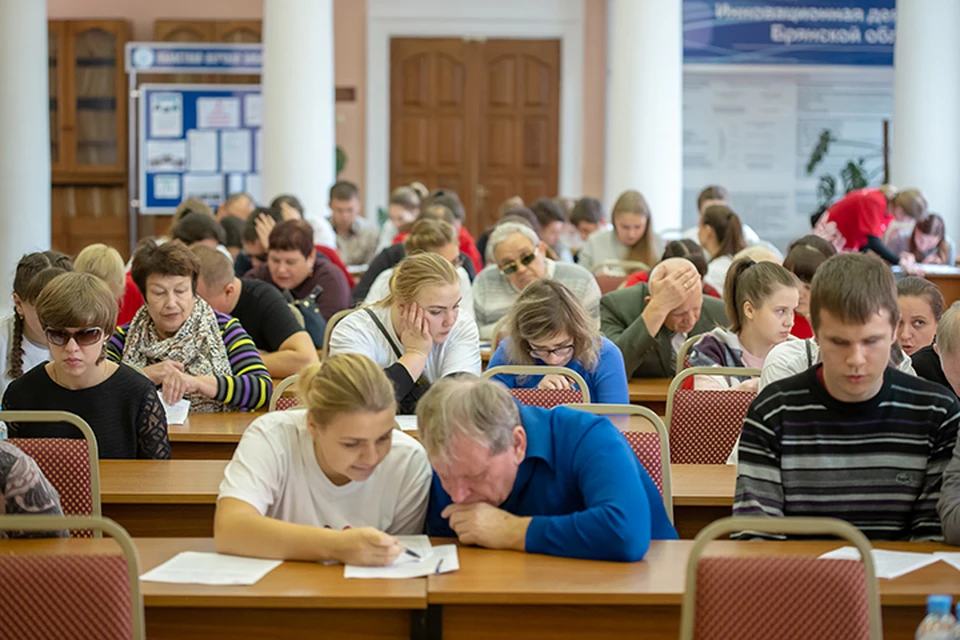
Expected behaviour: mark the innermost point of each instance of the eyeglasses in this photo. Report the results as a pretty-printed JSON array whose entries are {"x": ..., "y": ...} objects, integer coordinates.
[
  {"x": 511, "y": 267},
  {"x": 560, "y": 352},
  {"x": 83, "y": 337}
]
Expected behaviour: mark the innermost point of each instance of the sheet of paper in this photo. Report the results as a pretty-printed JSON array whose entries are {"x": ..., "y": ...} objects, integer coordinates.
[
  {"x": 166, "y": 115},
  {"x": 206, "y": 188},
  {"x": 258, "y": 150},
  {"x": 166, "y": 186},
  {"x": 407, "y": 423},
  {"x": 218, "y": 113},
  {"x": 176, "y": 413},
  {"x": 235, "y": 151},
  {"x": 166, "y": 155},
  {"x": 193, "y": 567},
  {"x": 203, "y": 150},
  {"x": 444, "y": 559},
  {"x": 889, "y": 564},
  {"x": 235, "y": 183},
  {"x": 253, "y": 186},
  {"x": 952, "y": 558},
  {"x": 252, "y": 110}
]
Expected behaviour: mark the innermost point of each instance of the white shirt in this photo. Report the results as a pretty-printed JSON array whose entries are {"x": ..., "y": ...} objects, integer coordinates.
[
  {"x": 275, "y": 470},
  {"x": 459, "y": 353},
  {"x": 717, "y": 272},
  {"x": 381, "y": 288},
  {"x": 33, "y": 354},
  {"x": 323, "y": 233}
]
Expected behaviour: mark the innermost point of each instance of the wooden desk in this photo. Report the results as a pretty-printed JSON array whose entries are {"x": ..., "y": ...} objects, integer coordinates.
[
  {"x": 949, "y": 285},
  {"x": 209, "y": 436},
  {"x": 702, "y": 493},
  {"x": 650, "y": 392}
]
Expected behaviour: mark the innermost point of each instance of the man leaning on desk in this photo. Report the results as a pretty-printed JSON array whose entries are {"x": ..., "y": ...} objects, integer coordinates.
[{"x": 559, "y": 482}]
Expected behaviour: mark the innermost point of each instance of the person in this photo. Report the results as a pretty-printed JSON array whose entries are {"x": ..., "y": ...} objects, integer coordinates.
[
  {"x": 632, "y": 236},
  {"x": 200, "y": 229},
  {"x": 850, "y": 438},
  {"x": 722, "y": 237},
  {"x": 417, "y": 333},
  {"x": 255, "y": 229},
  {"x": 940, "y": 361},
  {"x": 760, "y": 300},
  {"x": 233, "y": 234},
  {"x": 925, "y": 244},
  {"x": 921, "y": 305},
  {"x": 356, "y": 237},
  {"x": 804, "y": 257},
  {"x": 292, "y": 264},
  {"x": 520, "y": 261},
  {"x": 291, "y": 208},
  {"x": 237, "y": 205},
  {"x": 22, "y": 342},
  {"x": 284, "y": 345},
  {"x": 588, "y": 217},
  {"x": 552, "y": 220},
  {"x": 650, "y": 322},
  {"x": 558, "y": 482},
  {"x": 105, "y": 263},
  {"x": 451, "y": 200},
  {"x": 402, "y": 211},
  {"x": 24, "y": 490},
  {"x": 334, "y": 480},
  {"x": 521, "y": 214},
  {"x": 679, "y": 249},
  {"x": 548, "y": 325},
  {"x": 183, "y": 345},
  {"x": 717, "y": 195}
]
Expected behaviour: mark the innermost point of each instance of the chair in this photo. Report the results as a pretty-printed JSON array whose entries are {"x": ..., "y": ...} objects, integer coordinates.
[
  {"x": 611, "y": 274},
  {"x": 71, "y": 465},
  {"x": 281, "y": 402},
  {"x": 651, "y": 447},
  {"x": 70, "y": 595},
  {"x": 704, "y": 424},
  {"x": 683, "y": 356},
  {"x": 334, "y": 320},
  {"x": 545, "y": 398},
  {"x": 752, "y": 597}
]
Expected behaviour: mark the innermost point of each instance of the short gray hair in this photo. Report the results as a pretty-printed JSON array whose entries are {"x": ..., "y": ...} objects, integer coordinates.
[
  {"x": 948, "y": 331},
  {"x": 481, "y": 410},
  {"x": 503, "y": 231}
]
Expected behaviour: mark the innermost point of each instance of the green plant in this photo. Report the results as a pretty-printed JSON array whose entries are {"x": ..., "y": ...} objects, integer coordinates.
[
  {"x": 854, "y": 174},
  {"x": 341, "y": 159}
]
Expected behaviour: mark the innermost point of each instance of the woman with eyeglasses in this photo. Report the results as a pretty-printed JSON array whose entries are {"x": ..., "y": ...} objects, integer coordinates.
[
  {"x": 548, "y": 325},
  {"x": 78, "y": 313}
]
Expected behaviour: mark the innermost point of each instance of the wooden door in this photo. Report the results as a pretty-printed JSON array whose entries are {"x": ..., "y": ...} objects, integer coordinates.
[
  {"x": 56, "y": 51},
  {"x": 183, "y": 31},
  {"x": 239, "y": 31}
]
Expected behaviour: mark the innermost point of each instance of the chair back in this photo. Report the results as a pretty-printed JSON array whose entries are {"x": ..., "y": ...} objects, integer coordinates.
[
  {"x": 68, "y": 595},
  {"x": 704, "y": 424},
  {"x": 545, "y": 398},
  {"x": 652, "y": 448},
  {"x": 683, "y": 356},
  {"x": 626, "y": 267},
  {"x": 70, "y": 465},
  {"x": 331, "y": 324},
  {"x": 284, "y": 397},
  {"x": 754, "y": 597}
]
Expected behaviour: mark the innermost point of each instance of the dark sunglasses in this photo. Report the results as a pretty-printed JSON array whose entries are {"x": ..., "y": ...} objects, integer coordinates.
[
  {"x": 511, "y": 267},
  {"x": 83, "y": 337}
]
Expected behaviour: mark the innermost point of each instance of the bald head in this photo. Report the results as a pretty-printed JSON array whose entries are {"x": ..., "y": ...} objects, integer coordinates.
[{"x": 675, "y": 285}]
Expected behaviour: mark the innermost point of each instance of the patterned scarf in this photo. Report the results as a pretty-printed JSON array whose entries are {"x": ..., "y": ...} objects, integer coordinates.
[{"x": 197, "y": 345}]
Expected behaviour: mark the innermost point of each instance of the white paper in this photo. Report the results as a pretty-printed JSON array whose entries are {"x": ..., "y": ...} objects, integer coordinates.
[
  {"x": 889, "y": 564},
  {"x": 203, "y": 150},
  {"x": 176, "y": 413},
  {"x": 258, "y": 150},
  {"x": 166, "y": 155},
  {"x": 166, "y": 186},
  {"x": 206, "y": 188},
  {"x": 193, "y": 567},
  {"x": 444, "y": 559},
  {"x": 234, "y": 183},
  {"x": 253, "y": 186},
  {"x": 166, "y": 115},
  {"x": 235, "y": 151},
  {"x": 407, "y": 423},
  {"x": 218, "y": 113},
  {"x": 952, "y": 558},
  {"x": 252, "y": 110}
]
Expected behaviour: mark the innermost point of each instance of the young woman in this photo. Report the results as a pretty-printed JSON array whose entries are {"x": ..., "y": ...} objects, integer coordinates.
[
  {"x": 402, "y": 210},
  {"x": 722, "y": 237},
  {"x": 552, "y": 220},
  {"x": 78, "y": 313},
  {"x": 760, "y": 298},
  {"x": 548, "y": 325},
  {"x": 417, "y": 333},
  {"x": 921, "y": 305},
  {"x": 332, "y": 481},
  {"x": 926, "y": 243},
  {"x": 804, "y": 257},
  {"x": 632, "y": 236}
]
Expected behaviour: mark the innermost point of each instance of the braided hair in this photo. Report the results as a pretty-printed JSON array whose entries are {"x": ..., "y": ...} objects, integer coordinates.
[{"x": 33, "y": 273}]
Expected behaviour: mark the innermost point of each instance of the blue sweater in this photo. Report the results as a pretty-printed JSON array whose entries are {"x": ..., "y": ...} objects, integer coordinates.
[
  {"x": 607, "y": 382},
  {"x": 587, "y": 492}
]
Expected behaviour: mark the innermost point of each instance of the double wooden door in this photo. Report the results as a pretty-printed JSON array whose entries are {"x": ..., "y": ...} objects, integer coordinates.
[{"x": 479, "y": 117}]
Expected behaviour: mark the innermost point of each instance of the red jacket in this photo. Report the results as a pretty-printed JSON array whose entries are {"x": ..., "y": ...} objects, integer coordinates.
[
  {"x": 336, "y": 260},
  {"x": 130, "y": 303},
  {"x": 643, "y": 276},
  {"x": 857, "y": 215}
]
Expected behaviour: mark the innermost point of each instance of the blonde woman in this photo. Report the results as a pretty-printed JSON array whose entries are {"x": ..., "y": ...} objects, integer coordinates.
[
  {"x": 548, "y": 325},
  {"x": 632, "y": 236},
  {"x": 417, "y": 333},
  {"x": 105, "y": 263},
  {"x": 332, "y": 481}
]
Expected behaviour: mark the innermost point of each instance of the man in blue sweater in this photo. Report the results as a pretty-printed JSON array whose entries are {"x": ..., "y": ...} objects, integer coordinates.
[{"x": 559, "y": 482}]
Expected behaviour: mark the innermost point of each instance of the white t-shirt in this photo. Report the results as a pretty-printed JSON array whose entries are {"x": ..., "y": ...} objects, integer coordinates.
[
  {"x": 323, "y": 233},
  {"x": 381, "y": 288},
  {"x": 358, "y": 333},
  {"x": 33, "y": 354},
  {"x": 716, "y": 274},
  {"x": 275, "y": 470}
]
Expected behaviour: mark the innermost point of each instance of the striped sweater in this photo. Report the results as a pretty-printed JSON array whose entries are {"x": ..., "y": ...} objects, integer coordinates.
[
  {"x": 877, "y": 464},
  {"x": 249, "y": 387}
]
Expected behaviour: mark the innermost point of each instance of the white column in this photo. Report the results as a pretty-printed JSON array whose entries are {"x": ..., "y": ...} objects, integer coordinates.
[
  {"x": 24, "y": 136},
  {"x": 926, "y": 105},
  {"x": 299, "y": 137},
  {"x": 644, "y": 148}
]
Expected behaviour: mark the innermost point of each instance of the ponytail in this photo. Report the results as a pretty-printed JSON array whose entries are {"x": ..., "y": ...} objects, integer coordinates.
[
  {"x": 726, "y": 225},
  {"x": 15, "y": 357},
  {"x": 753, "y": 282}
]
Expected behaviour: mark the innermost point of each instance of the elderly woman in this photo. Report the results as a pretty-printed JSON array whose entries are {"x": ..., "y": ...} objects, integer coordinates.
[
  {"x": 520, "y": 260},
  {"x": 182, "y": 344}
]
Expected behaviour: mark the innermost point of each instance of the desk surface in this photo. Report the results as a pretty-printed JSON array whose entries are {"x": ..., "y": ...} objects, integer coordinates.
[
  {"x": 648, "y": 389},
  {"x": 213, "y": 427}
]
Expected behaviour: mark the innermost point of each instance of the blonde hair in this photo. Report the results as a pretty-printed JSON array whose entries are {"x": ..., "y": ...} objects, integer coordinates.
[
  {"x": 416, "y": 272},
  {"x": 344, "y": 383},
  {"x": 427, "y": 234},
  {"x": 633, "y": 202},
  {"x": 105, "y": 263}
]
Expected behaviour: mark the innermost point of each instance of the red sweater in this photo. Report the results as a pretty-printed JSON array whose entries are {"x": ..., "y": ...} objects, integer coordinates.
[
  {"x": 131, "y": 302},
  {"x": 857, "y": 215}
]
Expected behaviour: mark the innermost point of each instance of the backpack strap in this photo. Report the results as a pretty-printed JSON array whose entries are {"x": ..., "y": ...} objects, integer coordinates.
[
  {"x": 806, "y": 343},
  {"x": 383, "y": 330}
]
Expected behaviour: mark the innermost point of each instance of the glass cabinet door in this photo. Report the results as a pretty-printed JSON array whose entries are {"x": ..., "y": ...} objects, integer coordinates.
[
  {"x": 97, "y": 53},
  {"x": 54, "y": 60}
]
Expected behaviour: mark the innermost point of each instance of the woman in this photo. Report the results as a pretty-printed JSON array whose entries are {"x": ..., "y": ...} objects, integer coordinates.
[
  {"x": 105, "y": 263},
  {"x": 632, "y": 237},
  {"x": 417, "y": 333},
  {"x": 78, "y": 312},
  {"x": 679, "y": 249},
  {"x": 921, "y": 305},
  {"x": 722, "y": 237},
  {"x": 760, "y": 299},
  {"x": 804, "y": 257},
  {"x": 183, "y": 345},
  {"x": 24, "y": 490},
  {"x": 332, "y": 481},
  {"x": 548, "y": 325},
  {"x": 402, "y": 210},
  {"x": 926, "y": 244}
]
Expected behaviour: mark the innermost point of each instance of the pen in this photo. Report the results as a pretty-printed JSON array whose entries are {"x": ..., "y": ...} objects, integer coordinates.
[
  {"x": 412, "y": 553},
  {"x": 439, "y": 564}
]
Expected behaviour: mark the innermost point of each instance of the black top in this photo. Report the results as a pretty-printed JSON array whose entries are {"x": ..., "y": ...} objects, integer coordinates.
[
  {"x": 926, "y": 363},
  {"x": 389, "y": 258},
  {"x": 124, "y": 412},
  {"x": 242, "y": 264},
  {"x": 265, "y": 315}
]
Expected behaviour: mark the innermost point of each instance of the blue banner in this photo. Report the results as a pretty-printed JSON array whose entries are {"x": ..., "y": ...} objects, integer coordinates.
[
  {"x": 812, "y": 32},
  {"x": 169, "y": 57}
]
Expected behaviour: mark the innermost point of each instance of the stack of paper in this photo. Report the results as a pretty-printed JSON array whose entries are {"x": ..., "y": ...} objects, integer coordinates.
[
  {"x": 889, "y": 564},
  {"x": 406, "y": 423},
  {"x": 432, "y": 560},
  {"x": 193, "y": 567}
]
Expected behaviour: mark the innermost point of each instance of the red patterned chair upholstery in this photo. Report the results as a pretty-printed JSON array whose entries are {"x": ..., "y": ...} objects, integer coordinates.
[
  {"x": 683, "y": 356},
  {"x": 284, "y": 395},
  {"x": 784, "y": 597},
  {"x": 65, "y": 596},
  {"x": 545, "y": 398}
]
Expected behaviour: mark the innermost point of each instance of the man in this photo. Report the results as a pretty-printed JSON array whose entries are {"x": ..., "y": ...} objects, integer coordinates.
[
  {"x": 521, "y": 259},
  {"x": 940, "y": 362},
  {"x": 559, "y": 482},
  {"x": 850, "y": 438},
  {"x": 651, "y": 321},
  {"x": 451, "y": 200},
  {"x": 284, "y": 345},
  {"x": 237, "y": 205},
  {"x": 357, "y": 238}
]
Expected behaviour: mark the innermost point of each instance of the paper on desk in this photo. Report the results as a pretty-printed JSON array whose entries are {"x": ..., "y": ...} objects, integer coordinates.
[
  {"x": 443, "y": 559},
  {"x": 193, "y": 567},
  {"x": 176, "y": 413},
  {"x": 951, "y": 558},
  {"x": 889, "y": 564},
  {"x": 406, "y": 423}
]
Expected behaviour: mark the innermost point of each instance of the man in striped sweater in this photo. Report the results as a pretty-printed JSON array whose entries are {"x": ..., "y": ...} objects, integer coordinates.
[{"x": 850, "y": 438}]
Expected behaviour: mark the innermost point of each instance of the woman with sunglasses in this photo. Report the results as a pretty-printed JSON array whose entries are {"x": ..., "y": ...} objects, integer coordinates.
[
  {"x": 78, "y": 313},
  {"x": 548, "y": 325}
]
